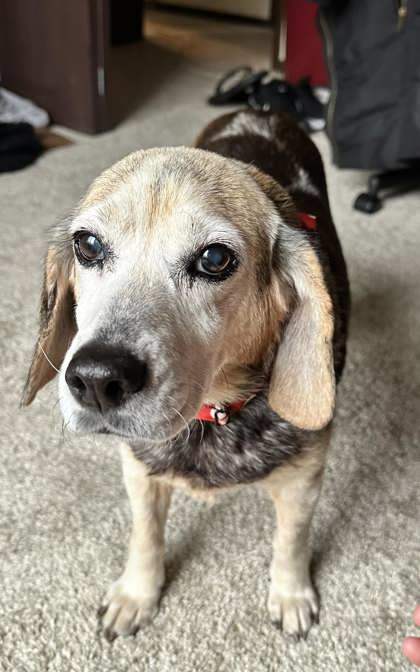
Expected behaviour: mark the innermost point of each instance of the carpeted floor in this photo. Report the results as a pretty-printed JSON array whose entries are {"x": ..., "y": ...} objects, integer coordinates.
[{"x": 64, "y": 514}]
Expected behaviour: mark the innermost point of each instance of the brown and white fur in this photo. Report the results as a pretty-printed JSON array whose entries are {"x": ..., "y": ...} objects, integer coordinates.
[{"x": 272, "y": 331}]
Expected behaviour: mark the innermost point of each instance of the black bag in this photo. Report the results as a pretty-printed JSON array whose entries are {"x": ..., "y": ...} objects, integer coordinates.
[{"x": 19, "y": 146}]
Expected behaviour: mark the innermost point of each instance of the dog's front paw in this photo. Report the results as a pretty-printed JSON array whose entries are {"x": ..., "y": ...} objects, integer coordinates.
[
  {"x": 293, "y": 611},
  {"x": 126, "y": 609}
]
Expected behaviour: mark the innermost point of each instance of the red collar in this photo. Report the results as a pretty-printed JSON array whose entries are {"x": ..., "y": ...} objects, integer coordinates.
[
  {"x": 308, "y": 221},
  {"x": 220, "y": 413}
]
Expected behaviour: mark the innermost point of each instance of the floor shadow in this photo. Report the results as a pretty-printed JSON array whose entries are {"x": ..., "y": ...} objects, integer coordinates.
[
  {"x": 136, "y": 72},
  {"x": 180, "y": 551},
  {"x": 376, "y": 379},
  {"x": 193, "y": 539}
]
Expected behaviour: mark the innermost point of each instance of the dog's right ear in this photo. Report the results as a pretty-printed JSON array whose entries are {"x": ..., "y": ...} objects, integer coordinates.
[{"x": 57, "y": 321}]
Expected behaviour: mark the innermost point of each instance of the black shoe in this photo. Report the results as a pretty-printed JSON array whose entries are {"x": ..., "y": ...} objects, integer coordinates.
[
  {"x": 277, "y": 95},
  {"x": 236, "y": 85},
  {"x": 312, "y": 109}
]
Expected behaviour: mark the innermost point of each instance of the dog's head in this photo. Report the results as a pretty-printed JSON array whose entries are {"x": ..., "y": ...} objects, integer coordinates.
[{"x": 175, "y": 281}]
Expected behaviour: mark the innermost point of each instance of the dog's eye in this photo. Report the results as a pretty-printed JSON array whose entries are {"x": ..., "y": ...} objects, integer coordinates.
[
  {"x": 88, "y": 248},
  {"x": 216, "y": 260}
]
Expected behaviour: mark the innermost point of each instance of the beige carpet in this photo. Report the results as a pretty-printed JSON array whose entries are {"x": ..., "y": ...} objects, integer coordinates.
[{"x": 64, "y": 516}]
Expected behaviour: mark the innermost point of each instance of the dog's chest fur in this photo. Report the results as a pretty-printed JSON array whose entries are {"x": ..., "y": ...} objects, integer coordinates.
[{"x": 254, "y": 443}]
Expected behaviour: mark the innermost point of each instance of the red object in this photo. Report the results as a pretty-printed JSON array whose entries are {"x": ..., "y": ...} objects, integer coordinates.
[
  {"x": 308, "y": 221},
  {"x": 304, "y": 47},
  {"x": 221, "y": 413}
]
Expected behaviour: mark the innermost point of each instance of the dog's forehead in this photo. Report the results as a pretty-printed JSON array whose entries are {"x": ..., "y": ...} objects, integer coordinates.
[{"x": 172, "y": 191}]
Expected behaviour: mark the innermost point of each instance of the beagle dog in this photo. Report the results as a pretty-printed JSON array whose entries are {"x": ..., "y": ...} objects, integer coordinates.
[{"x": 196, "y": 304}]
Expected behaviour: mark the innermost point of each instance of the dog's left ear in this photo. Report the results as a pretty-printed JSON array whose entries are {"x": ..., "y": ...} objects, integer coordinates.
[
  {"x": 57, "y": 322},
  {"x": 302, "y": 384}
]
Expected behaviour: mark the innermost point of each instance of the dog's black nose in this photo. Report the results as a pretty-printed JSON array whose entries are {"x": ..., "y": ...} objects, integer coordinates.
[{"x": 104, "y": 376}]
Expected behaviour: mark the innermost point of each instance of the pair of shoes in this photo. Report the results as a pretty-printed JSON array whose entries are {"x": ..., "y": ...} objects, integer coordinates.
[{"x": 263, "y": 91}]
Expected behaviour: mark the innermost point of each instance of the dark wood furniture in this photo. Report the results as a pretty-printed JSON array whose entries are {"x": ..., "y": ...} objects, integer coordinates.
[{"x": 57, "y": 54}]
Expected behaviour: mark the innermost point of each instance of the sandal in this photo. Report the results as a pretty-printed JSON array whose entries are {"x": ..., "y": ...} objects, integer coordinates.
[{"x": 236, "y": 85}]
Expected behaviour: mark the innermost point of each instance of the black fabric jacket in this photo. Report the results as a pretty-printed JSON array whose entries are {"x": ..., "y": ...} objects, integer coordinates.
[{"x": 373, "y": 53}]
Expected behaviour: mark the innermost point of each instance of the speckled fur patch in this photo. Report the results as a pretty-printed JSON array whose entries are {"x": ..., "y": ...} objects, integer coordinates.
[{"x": 252, "y": 445}]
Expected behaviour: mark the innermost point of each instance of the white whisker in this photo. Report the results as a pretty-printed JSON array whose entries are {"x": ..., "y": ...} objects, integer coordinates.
[
  {"x": 48, "y": 359},
  {"x": 187, "y": 427}
]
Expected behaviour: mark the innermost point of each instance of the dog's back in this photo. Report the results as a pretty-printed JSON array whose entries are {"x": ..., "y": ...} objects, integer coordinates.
[
  {"x": 273, "y": 143},
  {"x": 276, "y": 145}
]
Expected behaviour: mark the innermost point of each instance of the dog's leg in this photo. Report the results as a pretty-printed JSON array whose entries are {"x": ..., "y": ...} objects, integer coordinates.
[
  {"x": 293, "y": 603},
  {"x": 133, "y": 600}
]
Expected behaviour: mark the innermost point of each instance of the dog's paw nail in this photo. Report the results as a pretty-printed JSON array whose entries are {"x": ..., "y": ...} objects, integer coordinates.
[
  {"x": 295, "y": 612},
  {"x": 123, "y": 613},
  {"x": 110, "y": 635},
  {"x": 101, "y": 611}
]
